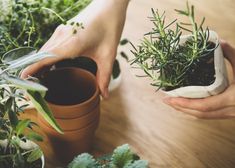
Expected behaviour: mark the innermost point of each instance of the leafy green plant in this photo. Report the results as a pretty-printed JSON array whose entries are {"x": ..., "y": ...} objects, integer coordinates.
[
  {"x": 169, "y": 62},
  {"x": 122, "y": 157},
  {"x": 25, "y": 25},
  {"x": 14, "y": 131},
  {"x": 31, "y": 22}
]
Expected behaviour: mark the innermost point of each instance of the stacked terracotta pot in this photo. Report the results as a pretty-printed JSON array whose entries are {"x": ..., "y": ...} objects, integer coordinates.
[{"x": 73, "y": 97}]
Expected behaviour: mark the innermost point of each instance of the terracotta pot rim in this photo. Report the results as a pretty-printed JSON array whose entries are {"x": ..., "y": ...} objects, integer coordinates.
[
  {"x": 85, "y": 128},
  {"x": 81, "y": 116},
  {"x": 65, "y": 129},
  {"x": 69, "y": 115},
  {"x": 93, "y": 97}
]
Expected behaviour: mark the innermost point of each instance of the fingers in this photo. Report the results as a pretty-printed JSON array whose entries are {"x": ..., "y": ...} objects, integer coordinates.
[
  {"x": 204, "y": 104},
  {"x": 229, "y": 53},
  {"x": 214, "y": 107},
  {"x": 36, "y": 67},
  {"x": 227, "y": 112},
  {"x": 103, "y": 78}
]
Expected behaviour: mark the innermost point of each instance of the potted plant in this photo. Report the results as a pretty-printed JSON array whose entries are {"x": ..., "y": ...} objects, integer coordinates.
[
  {"x": 122, "y": 157},
  {"x": 182, "y": 65},
  {"x": 17, "y": 149}
]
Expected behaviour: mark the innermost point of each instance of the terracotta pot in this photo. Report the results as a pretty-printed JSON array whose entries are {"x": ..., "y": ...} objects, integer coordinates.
[
  {"x": 73, "y": 97},
  {"x": 71, "y": 89},
  {"x": 68, "y": 145}
]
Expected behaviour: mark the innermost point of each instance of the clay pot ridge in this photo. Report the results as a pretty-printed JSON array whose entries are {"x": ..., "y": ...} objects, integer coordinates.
[
  {"x": 75, "y": 123},
  {"x": 79, "y": 112},
  {"x": 74, "y": 134}
]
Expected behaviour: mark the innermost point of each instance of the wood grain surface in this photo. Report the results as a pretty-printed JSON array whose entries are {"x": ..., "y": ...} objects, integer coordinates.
[{"x": 135, "y": 113}]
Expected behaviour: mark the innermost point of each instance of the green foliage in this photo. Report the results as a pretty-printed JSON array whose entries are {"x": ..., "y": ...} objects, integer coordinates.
[
  {"x": 34, "y": 155},
  {"x": 83, "y": 161},
  {"x": 161, "y": 56},
  {"x": 25, "y": 25},
  {"x": 31, "y": 22},
  {"x": 122, "y": 157}
]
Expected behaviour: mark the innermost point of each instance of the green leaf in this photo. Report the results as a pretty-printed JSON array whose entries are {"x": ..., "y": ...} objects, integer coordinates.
[
  {"x": 27, "y": 60},
  {"x": 116, "y": 69},
  {"x": 16, "y": 53},
  {"x": 124, "y": 41},
  {"x": 138, "y": 164},
  {"x": 35, "y": 155},
  {"x": 34, "y": 137},
  {"x": 124, "y": 55},
  {"x": 3, "y": 135},
  {"x": 25, "y": 84},
  {"x": 11, "y": 114},
  {"x": 21, "y": 126},
  {"x": 43, "y": 109},
  {"x": 122, "y": 156},
  {"x": 182, "y": 12},
  {"x": 84, "y": 160}
]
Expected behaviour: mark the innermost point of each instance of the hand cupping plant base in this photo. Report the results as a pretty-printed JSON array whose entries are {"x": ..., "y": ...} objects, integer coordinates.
[
  {"x": 122, "y": 157},
  {"x": 187, "y": 66}
]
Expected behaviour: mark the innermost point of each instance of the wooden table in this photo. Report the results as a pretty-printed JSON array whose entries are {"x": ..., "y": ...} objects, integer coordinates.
[{"x": 135, "y": 113}]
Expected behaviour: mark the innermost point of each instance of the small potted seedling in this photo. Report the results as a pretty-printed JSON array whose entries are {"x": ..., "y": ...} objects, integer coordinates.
[
  {"x": 182, "y": 65},
  {"x": 122, "y": 157}
]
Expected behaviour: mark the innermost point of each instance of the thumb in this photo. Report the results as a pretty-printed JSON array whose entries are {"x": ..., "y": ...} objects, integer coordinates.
[
  {"x": 229, "y": 53},
  {"x": 103, "y": 77}
]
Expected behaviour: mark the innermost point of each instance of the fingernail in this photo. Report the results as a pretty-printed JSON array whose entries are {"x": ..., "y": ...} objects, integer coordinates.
[{"x": 106, "y": 93}]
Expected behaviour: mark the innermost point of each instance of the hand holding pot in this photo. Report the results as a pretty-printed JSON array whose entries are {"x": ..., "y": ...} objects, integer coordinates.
[
  {"x": 103, "y": 23},
  {"x": 214, "y": 107}
]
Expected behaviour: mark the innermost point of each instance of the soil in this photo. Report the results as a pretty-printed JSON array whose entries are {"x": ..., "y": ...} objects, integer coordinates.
[
  {"x": 201, "y": 72},
  {"x": 65, "y": 89}
]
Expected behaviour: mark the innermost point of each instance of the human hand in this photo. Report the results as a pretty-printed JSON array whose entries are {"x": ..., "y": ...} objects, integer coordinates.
[
  {"x": 214, "y": 107},
  {"x": 103, "y": 22}
]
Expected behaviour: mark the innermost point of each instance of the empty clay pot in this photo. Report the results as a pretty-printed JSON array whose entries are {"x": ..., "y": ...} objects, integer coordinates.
[{"x": 73, "y": 97}]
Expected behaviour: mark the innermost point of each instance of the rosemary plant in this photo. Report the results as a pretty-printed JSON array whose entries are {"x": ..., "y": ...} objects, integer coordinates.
[{"x": 169, "y": 62}]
